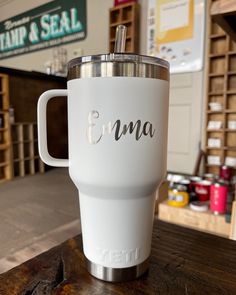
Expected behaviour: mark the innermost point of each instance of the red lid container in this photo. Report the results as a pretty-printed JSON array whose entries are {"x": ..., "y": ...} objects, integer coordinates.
[
  {"x": 202, "y": 189},
  {"x": 225, "y": 172}
]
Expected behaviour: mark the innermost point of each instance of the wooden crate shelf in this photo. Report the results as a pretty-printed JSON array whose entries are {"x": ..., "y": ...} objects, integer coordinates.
[
  {"x": 204, "y": 221},
  {"x": 128, "y": 15},
  {"x": 5, "y": 132},
  {"x": 25, "y": 151}
]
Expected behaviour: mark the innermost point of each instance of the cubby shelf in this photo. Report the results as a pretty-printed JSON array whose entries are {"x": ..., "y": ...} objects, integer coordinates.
[
  {"x": 128, "y": 15},
  {"x": 25, "y": 150},
  {"x": 5, "y": 132},
  {"x": 222, "y": 89}
]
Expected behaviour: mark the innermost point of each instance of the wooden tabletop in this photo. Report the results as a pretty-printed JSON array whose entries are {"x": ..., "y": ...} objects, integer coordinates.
[{"x": 183, "y": 261}]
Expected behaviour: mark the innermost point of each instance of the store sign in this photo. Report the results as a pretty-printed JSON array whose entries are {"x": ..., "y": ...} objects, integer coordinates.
[{"x": 52, "y": 24}]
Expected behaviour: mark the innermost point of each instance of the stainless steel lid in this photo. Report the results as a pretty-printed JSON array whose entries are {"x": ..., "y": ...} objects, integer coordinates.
[{"x": 118, "y": 65}]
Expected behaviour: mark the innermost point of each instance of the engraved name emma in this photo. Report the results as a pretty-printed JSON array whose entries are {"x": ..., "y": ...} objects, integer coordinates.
[{"x": 138, "y": 128}]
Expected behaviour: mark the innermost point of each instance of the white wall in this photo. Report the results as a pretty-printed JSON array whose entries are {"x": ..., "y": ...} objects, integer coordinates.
[{"x": 186, "y": 93}]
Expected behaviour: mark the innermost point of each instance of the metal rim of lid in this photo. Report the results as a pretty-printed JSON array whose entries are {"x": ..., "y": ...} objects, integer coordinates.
[{"x": 118, "y": 64}]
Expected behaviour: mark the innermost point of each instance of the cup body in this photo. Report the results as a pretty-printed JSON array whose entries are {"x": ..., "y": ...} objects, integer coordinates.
[{"x": 117, "y": 130}]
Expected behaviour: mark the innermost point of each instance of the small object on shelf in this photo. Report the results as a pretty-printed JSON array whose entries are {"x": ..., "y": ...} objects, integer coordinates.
[
  {"x": 213, "y": 160},
  {"x": 225, "y": 172},
  {"x": 209, "y": 176},
  {"x": 193, "y": 197},
  {"x": 218, "y": 197},
  {"x": 186, "y": 182},
  {"x": 230, "y": 161},
  {"x": 193, "y": 181},
  {"x": 214, "y": 142},
  {"x": 232, "y": 125},
  {"x": 202, "y": 190},
  {"x": 176, "y": 178},
  {"x": 215, "y": 106},
  {"x": 214, "y": 125},
  {"x": 12, "y": 115},
  {"x": 199, "y": 206},
  {"x": 178, "y": 196}
]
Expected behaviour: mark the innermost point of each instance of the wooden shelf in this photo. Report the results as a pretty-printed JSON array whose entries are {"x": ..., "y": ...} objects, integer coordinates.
[
  {"x": 230, "y": 130},
  {"x": 214, "y": 36},
  {"x": 231, "y": 73},
  {"x": 125, "y": 14},
  {"x": 221, "y": 82},
  {"x": 214, "y": 55},
  {"x": 216, "y": 74},
  {"x": 127, "y": 38},
  {"x": 25, "y": 152},
  {"x": 214, "y": 148},
  {"x": 5, "y": 148},
  {"x": 205, "y": 221},
  {"x": 222, "y": 111},
  {"x": 215, "y": 130},
  {"x": 215, "y": 93},
  {"x": 3, "y": 164},
  {"x": 223, "y": 13},
  {"x": 124, "y": 22},
  {"x": 215, "y": 112},
  {"x": 230, "y": 111},
  {"x": 227, "y": 148}
]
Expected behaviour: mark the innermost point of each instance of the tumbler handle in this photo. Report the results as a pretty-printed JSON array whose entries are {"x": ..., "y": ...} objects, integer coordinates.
[{"x": 42, "y": 128}]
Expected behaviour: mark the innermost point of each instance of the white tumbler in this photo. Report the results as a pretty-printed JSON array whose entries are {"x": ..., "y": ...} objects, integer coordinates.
[{"x": 117, "y": 127}]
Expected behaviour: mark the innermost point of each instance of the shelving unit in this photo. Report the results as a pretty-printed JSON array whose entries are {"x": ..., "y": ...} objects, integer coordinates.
[
  {"x": 5, "y": 136},
  {"x": 222, "y": 89},
  {"x": 25, "y": 150},
  {"x": 203, "y": 221},
  {"x": 128, "y": 15}
]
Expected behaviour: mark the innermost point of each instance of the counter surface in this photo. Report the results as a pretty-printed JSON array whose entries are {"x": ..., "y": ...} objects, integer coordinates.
[{"x": 183, "y": 261}]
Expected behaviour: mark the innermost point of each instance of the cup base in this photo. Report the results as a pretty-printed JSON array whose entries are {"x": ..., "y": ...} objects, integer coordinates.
[{"x": 110, "y": 274}]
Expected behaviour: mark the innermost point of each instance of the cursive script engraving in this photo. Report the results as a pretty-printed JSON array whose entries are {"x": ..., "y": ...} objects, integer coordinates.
[{"x": 120, "y": 130}]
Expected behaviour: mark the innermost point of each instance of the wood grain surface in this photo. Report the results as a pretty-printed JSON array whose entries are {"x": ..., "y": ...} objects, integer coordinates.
[{"x": 183, "y": 261}]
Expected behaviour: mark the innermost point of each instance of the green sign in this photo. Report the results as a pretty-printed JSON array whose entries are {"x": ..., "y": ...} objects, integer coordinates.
[{"x": 52, "y": 24}]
